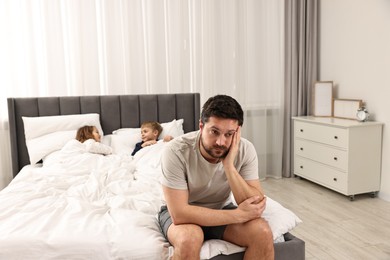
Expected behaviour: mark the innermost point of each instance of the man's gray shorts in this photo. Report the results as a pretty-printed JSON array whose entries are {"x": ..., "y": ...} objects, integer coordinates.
[{"x": 214, "y": 232}]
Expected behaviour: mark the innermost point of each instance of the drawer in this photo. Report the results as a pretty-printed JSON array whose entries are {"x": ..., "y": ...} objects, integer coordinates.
[
  {"x": 322, "y": 153},
  {"x": 321, "y": 174},
  {"x": 321, "y": 133}
]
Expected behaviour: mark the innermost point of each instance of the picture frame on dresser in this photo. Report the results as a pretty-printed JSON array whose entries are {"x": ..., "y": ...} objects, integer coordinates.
[
  {"x": 346, "y": 108},
  {"x": 323, "y": 98}
]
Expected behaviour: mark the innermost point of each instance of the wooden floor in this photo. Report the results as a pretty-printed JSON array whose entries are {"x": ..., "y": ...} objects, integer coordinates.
[{"x": 333, "y": 226}]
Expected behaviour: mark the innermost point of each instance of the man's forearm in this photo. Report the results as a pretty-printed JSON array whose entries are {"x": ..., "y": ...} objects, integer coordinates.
[
  {"x": 240, "y": 188},
  {"x": 204, "y": 216}
]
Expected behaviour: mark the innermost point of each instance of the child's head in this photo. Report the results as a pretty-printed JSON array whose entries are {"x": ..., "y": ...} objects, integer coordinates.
[
  {"x": 150, "y": 130},
  {"x": 87, "y": 132}
]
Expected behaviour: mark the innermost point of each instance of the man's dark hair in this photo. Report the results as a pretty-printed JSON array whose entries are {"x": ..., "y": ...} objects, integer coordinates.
[{"x": 222, "y": 106}]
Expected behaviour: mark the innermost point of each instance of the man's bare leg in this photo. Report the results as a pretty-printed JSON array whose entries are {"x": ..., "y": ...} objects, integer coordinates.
[
  {"x": 255, "y": 235},
  {"x": 187, "y": 240}
]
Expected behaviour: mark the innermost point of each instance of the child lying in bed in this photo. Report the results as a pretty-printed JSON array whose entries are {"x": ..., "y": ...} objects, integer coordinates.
[
  {"x": 90, "y": 137},
  {"x": 84, "y": 149},
  {"x": 150, "y": 132}
]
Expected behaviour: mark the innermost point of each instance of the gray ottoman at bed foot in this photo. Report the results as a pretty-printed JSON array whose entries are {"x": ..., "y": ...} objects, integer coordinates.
[{"x": 292, "y": 249}]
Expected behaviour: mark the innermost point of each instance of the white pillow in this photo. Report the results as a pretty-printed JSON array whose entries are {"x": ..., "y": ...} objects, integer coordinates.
[
  {"x": 106, "y": 139},
  {"x": 47, "y": 134},
  {"x": 173, "y": 128},
  {"x": 126, "y": 131},
  {"x": 125, "y": 143},
  {"x": 39, "y": 126},
  {"x": 41, "y": 146},
  {"x": 280, "y": 219}
]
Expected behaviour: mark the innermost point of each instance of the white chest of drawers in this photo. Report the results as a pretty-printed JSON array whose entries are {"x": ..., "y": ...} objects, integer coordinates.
[{"x": 340, "y": 154}]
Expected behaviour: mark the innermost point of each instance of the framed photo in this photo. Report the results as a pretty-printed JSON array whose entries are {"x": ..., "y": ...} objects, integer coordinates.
[
  {"x": 323, "y": 98},
  {"x": 346, "y": 108}
]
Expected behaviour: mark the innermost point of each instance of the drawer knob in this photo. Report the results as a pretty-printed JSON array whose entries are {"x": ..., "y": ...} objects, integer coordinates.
[
  {"x": 336, "y": 137},
  {"x": 301, "y": 166},
  {"x": 335, "y": 158},
  {"x": 301, "y": 148},
  {"x": 301, "y": 130},
  {"x": 335, "y": 179}
]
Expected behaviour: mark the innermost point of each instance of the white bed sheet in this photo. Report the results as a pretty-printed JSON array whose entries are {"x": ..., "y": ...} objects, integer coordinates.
[{"x": 88, "y": 206}]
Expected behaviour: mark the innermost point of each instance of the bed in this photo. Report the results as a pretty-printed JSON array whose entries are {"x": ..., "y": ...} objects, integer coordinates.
[{"x": 90, "y": 206}]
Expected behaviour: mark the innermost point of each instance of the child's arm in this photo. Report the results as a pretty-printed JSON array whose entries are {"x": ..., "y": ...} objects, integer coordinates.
[
  {"x": 95, "y": 147},
  {"x": 168, "y": 138},
  {"x": 147, "y": 143}
]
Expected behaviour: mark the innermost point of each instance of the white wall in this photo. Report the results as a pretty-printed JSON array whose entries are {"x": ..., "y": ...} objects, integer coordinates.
[{"x": 355, "y": 54}]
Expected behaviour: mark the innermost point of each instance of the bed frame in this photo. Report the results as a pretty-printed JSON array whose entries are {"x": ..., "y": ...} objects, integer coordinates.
[{"x": 119, "y": 111}]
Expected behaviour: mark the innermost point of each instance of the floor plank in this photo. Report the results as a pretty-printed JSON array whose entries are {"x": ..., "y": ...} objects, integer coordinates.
[{"x": 333, "y": 226}]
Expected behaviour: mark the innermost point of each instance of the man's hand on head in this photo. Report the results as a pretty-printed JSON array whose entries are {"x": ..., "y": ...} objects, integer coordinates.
[{"x": 233, "y": 150}]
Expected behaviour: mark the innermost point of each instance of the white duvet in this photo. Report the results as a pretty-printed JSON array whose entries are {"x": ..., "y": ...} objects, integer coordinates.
[{"x": 81, "y": 205}]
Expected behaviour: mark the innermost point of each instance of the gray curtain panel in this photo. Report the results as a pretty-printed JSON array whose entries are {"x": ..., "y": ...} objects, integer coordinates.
[{"x": 301, "y": 67}]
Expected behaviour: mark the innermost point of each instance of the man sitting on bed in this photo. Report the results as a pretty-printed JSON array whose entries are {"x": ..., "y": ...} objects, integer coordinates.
[{"x": 200, "y": 169}]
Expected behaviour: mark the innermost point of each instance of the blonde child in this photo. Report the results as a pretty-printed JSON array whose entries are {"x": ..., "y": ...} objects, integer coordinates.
[{"x": 150, "y": 132}]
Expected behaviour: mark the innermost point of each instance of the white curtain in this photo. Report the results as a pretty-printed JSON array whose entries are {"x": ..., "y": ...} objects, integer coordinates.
[{"x": 97, "y": 47}]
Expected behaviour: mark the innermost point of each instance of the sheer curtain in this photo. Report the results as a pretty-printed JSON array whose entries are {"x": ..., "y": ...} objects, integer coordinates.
[{"x": 97, "y": 47}]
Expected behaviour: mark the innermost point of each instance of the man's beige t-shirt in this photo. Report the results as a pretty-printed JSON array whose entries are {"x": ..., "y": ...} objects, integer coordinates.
[{"x": 184, "y": 168}]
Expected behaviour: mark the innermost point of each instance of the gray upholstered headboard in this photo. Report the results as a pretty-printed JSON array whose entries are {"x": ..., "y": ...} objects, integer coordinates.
[{"x": 116, "y": 111}]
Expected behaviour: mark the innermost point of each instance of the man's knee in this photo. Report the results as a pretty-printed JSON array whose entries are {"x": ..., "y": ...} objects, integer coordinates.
[
  {"x": 256, "y": 232},
  {"x": 260, "y": 228},
  {"x": 186, "y": 236}
]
